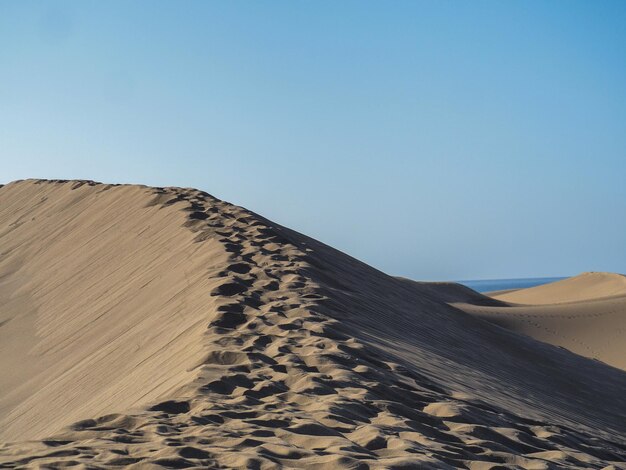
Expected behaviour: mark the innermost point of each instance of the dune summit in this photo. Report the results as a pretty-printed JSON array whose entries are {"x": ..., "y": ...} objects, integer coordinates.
[{"x": 164, "y": 328}]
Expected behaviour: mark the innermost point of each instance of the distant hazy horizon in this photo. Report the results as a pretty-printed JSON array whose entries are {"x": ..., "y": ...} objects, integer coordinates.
[
  {"x": 491, "y": 285},
  {"x": 433, "y": 140}
]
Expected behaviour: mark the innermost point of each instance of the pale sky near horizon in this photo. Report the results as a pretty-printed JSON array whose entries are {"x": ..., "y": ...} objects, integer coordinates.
[{"x": 434, "y": 140}]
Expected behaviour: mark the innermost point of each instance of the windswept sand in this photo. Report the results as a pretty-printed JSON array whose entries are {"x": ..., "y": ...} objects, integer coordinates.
[
  {"x": 161, "y": 327},
  {"x": 585, "y": 314}
]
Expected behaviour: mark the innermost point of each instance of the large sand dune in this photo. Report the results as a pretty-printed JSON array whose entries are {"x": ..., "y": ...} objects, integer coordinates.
[{"x": 161, "y": 327}]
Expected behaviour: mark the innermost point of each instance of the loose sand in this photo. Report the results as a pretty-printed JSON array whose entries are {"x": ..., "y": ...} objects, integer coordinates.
[{"x": 161, "y": 327}]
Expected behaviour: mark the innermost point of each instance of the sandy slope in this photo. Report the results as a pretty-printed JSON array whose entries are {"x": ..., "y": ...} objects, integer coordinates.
[
  {"x": 586, "y": 286},
  {"x": 585, "y": 314},
  {"x": 152, "y": 327},
  {"x": 93, "y": 291}
]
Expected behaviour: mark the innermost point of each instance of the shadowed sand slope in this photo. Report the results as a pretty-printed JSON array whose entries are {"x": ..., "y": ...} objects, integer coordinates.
[
  {"x": 585, "y": 314},
  {"x": 164, "y": 328}
]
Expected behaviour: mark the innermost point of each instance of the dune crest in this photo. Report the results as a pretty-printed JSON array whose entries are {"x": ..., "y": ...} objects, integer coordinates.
[{"x": 162, "y": 327}]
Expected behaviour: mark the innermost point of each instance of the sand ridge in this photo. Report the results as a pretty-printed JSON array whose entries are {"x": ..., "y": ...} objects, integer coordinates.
[{"x": 306, "y": 358}]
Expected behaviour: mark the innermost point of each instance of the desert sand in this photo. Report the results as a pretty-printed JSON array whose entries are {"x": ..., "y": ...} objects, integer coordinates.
[
  {"x": 585, "y": 314},
  {"x": 164, "y": 328}
]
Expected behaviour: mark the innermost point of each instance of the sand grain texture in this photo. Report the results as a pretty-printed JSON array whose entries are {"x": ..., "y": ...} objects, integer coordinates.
[{"x": 164, "y": 328}]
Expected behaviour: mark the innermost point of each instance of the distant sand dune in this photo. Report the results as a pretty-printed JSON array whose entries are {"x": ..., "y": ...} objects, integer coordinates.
[
  {"x": 585, "y": 314},
  {"x": 163, "y": 328},
  {"x": 586, "y": 286}
]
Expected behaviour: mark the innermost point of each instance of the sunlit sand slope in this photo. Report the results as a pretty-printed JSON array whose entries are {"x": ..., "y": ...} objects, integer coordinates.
[
  {"x": 161, "y": 327},
  {"x": 100, "y": 308},
  {"x": 586, "y": 286}
]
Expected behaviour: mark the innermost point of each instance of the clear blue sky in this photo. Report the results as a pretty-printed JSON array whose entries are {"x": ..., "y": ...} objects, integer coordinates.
[{"x": 434, "y": 140}]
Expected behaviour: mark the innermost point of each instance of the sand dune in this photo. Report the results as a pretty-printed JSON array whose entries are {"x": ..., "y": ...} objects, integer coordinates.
[
  {"x": 161, "y": 327},
  {"x": 585, "y": 314},
  {"x": 586, "y": 286}
]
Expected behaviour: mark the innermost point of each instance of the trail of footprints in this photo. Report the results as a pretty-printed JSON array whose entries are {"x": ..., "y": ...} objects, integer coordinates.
[{"x": 281, "y": 387}]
